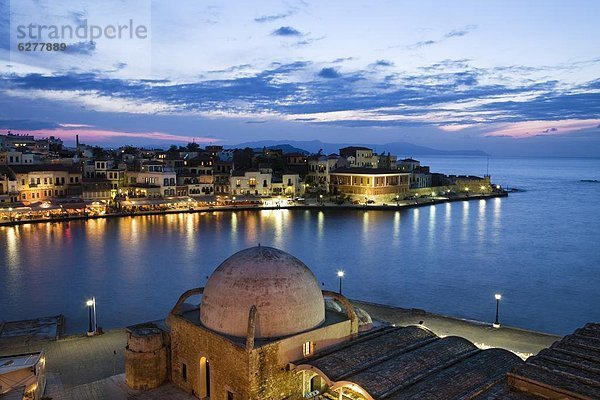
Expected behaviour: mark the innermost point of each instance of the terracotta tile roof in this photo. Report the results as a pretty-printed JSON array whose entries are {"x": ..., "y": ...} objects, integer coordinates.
[
  {"x": 570, "y": 366},
  {"x": 413, "y": 363}
]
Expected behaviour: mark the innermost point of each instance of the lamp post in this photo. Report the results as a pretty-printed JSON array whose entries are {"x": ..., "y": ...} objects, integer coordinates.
[
  {"x": 10, "y": 213},
  {"x": 340, "y": 275},
  {"x": 498, "y": 297},
  {"x": 397, "y": 198},
  {"x": 321, "y": 199},
  {"x": 90, "y": 304}
]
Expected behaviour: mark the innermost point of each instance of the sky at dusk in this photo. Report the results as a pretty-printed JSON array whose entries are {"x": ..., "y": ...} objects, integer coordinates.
[{"x": 505, "y": 77}]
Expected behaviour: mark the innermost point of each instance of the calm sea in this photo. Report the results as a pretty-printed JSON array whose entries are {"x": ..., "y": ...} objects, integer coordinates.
[{"x": 538, "y": 248}]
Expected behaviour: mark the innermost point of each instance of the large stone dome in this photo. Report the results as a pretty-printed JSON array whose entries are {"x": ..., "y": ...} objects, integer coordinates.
[{"x": 285, "y": 292}]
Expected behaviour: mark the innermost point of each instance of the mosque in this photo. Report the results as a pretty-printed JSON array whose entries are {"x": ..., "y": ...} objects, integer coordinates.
[{"x": 263, "y": 329}]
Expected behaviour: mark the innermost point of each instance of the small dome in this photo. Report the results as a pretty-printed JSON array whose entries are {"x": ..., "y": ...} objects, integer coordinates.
[{"x": 285, "y": 292}]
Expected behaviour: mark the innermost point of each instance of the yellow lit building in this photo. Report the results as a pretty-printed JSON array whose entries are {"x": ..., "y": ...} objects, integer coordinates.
[{"x": 369, "y": 182}]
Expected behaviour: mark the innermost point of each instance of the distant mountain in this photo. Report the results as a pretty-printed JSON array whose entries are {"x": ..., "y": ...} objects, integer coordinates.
[
  {"x": 396, "y": 148},
  {"x": 287, "y": 148}
]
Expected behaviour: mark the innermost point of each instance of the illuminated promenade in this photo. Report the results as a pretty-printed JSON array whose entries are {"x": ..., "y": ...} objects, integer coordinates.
[{"x": 270, "y": 204}]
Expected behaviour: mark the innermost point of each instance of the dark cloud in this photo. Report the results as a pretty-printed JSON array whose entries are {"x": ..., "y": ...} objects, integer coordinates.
[
  {"x": 422, "y": 44},
  {"x": 454, "y": 33},
  {"x": 342, "y": 59},
  {"x": 383, "y": 63},
  {"x": 550, "y": 130},
  {"x": 85, "y": 48},
  {"x": 329, "y": 73},
  {"x": 26, "y": 124},
  {"x": 271, "y": 18},
  {"x": 461, "y": 32},
  {"x": 286, "y": 31}
]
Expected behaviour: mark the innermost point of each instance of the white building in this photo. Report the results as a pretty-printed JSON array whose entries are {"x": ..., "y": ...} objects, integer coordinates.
[
  {"x": 153, "y": 175},
  {"x": 251, "y": 182},
  {"x": 320, "y": 168},
  {"x": 289, "y": 185}
]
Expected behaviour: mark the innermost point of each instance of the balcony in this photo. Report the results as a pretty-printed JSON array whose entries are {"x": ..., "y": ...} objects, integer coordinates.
[{"x": 33, "y": 185}]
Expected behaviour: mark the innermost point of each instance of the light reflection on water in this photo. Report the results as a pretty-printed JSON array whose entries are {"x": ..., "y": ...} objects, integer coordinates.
[{"x": 450, "y": 258}]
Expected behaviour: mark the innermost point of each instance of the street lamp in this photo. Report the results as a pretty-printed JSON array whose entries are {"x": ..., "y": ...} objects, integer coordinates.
[
  {"x": 93, "y": 327},
  {"x": 340, "y": 275},
  {"x": 90, "y": 304},
  {"x": 498, "y": 297},
  {"x": 482, "y": 189},
  {"x": 321, "y": 199}
]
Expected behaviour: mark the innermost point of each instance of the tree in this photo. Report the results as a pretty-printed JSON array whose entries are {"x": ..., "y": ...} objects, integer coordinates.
[{"x": 193, "y": 146}]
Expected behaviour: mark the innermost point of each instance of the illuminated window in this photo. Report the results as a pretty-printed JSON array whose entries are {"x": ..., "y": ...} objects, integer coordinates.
[{"x": 307, "y": 349}]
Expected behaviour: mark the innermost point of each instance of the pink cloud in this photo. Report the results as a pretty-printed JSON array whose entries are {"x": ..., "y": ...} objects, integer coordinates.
[
  {"x": 100, "y": 135},
  {"x": 542, "y": 128}
]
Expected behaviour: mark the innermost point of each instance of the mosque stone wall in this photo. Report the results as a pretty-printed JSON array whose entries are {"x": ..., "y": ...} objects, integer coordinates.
[
  {"x": 228, "y": 362},
  {"x": 146, "y": 358}
]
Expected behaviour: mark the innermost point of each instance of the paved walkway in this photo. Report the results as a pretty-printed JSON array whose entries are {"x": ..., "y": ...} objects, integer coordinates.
[
  {"x": 87, "y": 368},
  {"x": 77, "y": 360},
  {"x": 522, "y": 342},
  {"x": 114, "y": 388}
]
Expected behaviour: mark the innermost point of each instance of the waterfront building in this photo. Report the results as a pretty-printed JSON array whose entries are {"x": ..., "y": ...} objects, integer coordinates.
[
  {"x": 408, "y": 165},
  {"x": 420, "y": 180},
  {"x": 320, "y": 168},
  {"x": 221, "y": 176},
  {"x": 15, "y": 157},
  {"x": 251, "y": 182},
  {"x": 471, "y": 184},
  {"x": 287, "y": 185},
  {"x": 358, "y": 156},
  {"x": 44, "y": 182},
  {"x": 96, "y": 189},
  {"x": 195, "y": 185},
  {"x": 297, "y": 162},
  {"x": 8, "y": 187},
  {"x": 262, "y": 328},
  {"x": 387, "y": 161},
  {"x": 369, "y": 182},
  {"x": 152, "y": 175}
]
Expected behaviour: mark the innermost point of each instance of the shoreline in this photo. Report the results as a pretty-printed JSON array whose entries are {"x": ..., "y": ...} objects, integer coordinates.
[
  {"x": 229, "y": 208},
  {"x": 521, "y": 341}
]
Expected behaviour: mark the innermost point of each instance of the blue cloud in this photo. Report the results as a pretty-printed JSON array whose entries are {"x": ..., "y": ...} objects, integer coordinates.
[
  {"x": 271, "y": 18},
  {"x": 85, "y": 48},
  {"x": 329, "y": 73},
  {"x": 26, "y": 124},
  {"x": 461, "y": 32},
  {"x": 383, "y": 63},
  {"x": 433, "y": 91},
  {"x": 286, "y": 31},
  {"x": 422, "y": 44}
]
